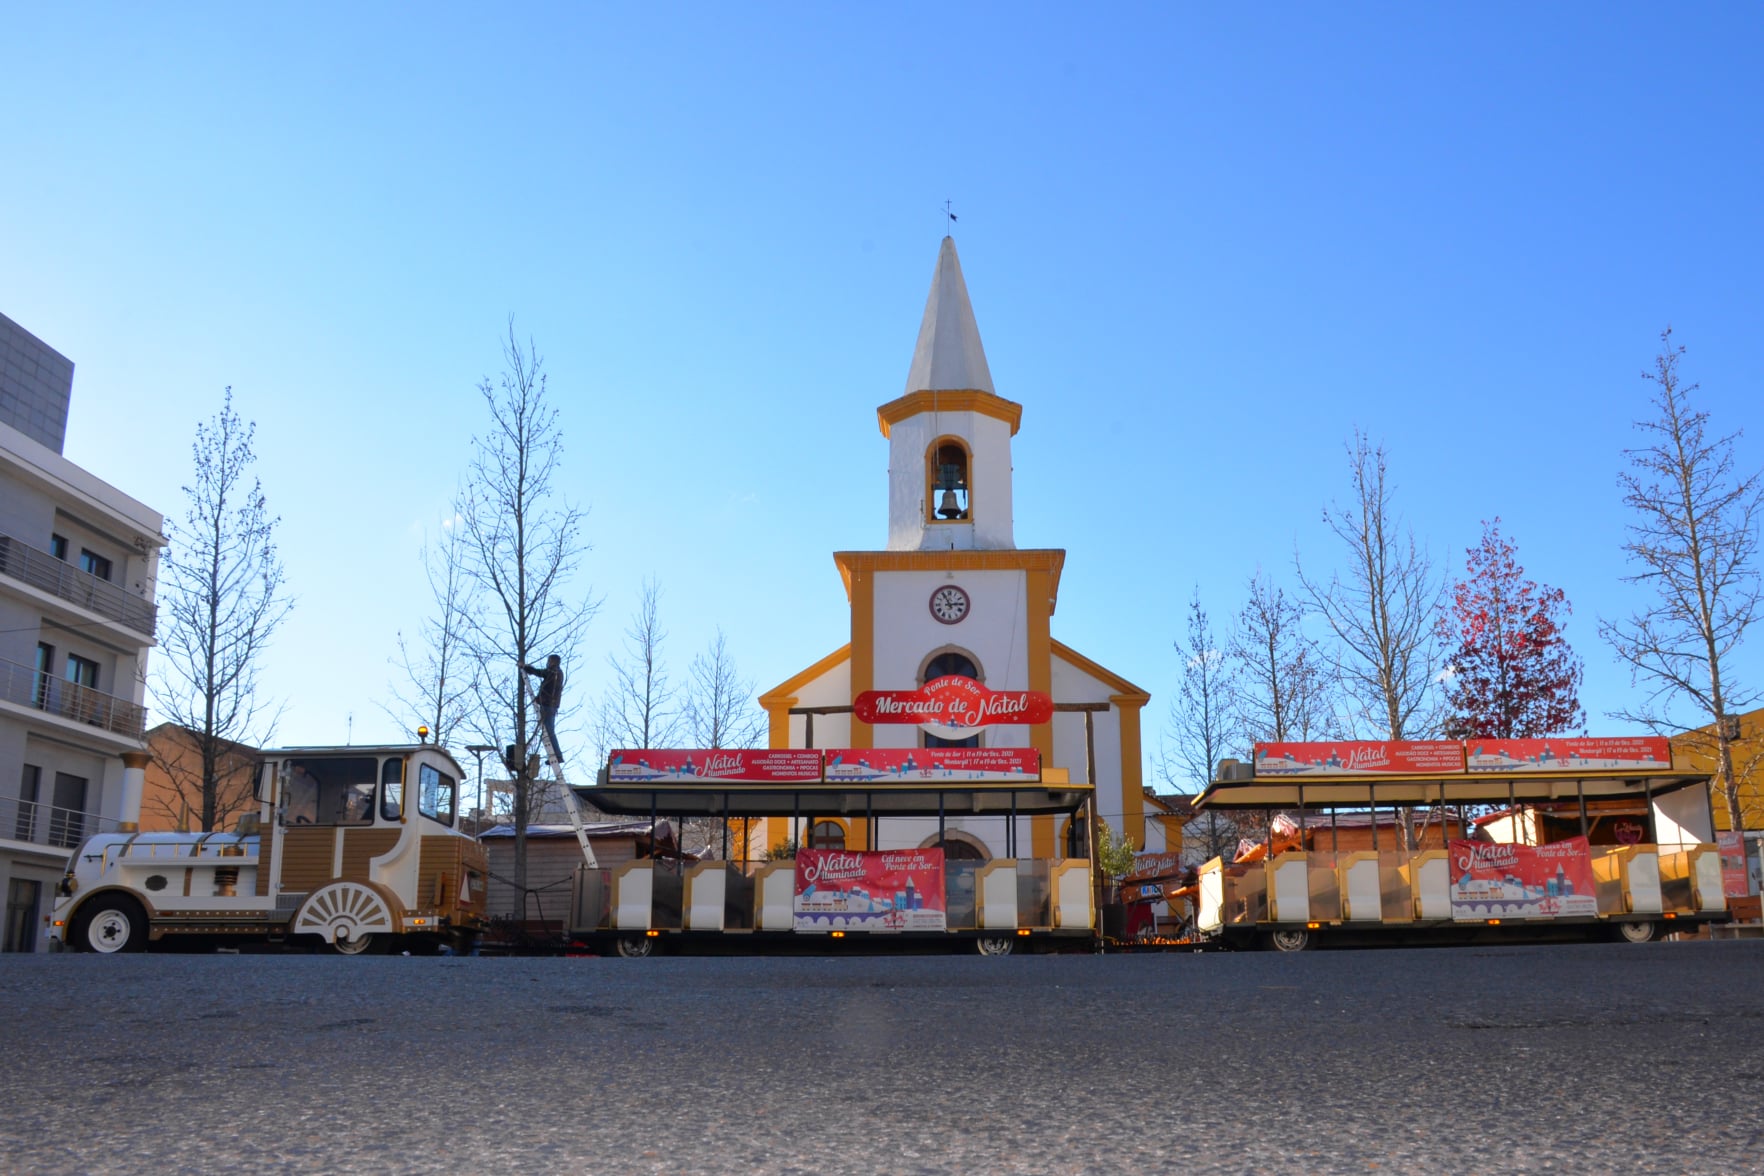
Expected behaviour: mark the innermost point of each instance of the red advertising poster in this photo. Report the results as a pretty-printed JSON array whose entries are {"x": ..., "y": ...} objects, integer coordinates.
[
  {"x": 953, "y": 701},
  {"x": 873, "y": 890},
  {"x": 907, "y": 765},
  {"x": 1425, "y": 757},
  {"x": 1493, "y": 881},
  {"x": 1636, "y": 753},
  {"x": 713, "y": 765},
  {"x": 1734, "y": 880}
]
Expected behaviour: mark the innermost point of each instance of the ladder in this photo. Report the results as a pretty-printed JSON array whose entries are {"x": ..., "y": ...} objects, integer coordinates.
[{"x": 571, "y": 805}]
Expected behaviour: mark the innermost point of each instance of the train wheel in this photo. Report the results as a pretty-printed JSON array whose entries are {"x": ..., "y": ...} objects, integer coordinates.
[
  {"x": 111, "y": 923},
  {"x": 995, "y": 945},
  {"x": 1635, "y": 931},
  {"x": 1289, "y": 939},
  {"x": 635, "y": 947}
]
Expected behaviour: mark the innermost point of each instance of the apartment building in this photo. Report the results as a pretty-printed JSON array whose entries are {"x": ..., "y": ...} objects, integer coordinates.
[{"x": 78, "y": 565}]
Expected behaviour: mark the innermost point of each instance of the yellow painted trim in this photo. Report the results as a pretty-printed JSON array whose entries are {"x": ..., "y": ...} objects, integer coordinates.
[
  {"x": 862, "y": 587},
  {"x": 1039, "y": 590},
  {"x": 1104, "y": 675},
  {"x": 931, "y": 479},
  {"x": 959, "y": 400},
  {"x": 793, "y": 685},
  {"x": 1132, "y": 773},
  {"x": 1049, "y": 559}
]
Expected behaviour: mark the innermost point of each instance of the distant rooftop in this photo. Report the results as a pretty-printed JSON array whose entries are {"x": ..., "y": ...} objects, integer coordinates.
[{"x": 36, "y": 384}]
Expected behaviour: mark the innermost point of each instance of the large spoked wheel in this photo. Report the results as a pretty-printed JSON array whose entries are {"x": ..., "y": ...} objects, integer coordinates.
[
  {"x": 635, "y": 947},
  {"x": 110, "y": 923},
  {"x": 995, "y": 945},
  {"x": 349, "y": 916},
  {"x": 1635, "y": 931},
  {"x": 1289, "y": 939}
]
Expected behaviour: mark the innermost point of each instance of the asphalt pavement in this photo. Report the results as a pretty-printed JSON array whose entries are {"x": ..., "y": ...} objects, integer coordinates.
[{"x": 1575, "y": 1058}]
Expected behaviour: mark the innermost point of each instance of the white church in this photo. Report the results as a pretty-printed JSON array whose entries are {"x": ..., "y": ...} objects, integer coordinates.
[{"x": 950, "y": 592}]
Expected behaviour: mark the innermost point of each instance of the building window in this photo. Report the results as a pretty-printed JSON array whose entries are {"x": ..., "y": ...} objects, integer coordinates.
[
  {"x": 944, "y": 664},
  {"x": 28, "y": 787},
  {"x": 826, "y": 835},
  {"x": 67, "y": 814},
  {"x": 23, "y": 897},
  {"x": 41, "y": 690},
  {"x": 97, "y": 565},
  {"x": 58, "y": 546},
  {"x": 946, "y": 475},
  {"x": 82, "y": 671}
]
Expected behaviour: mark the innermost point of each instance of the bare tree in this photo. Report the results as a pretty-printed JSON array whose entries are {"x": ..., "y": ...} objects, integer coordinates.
[
  {"x": 439, "y": 678},
  {"x": 720, "y": 712},
  {"x": 1695, "y": 540},
  {"x": 1383, "y": 611},
  {"x": 222, "y": 594},
  {"x": 641, "y": 708},
  {"x": 1283, "y": 684},
  {"x": 1198, "y": 731},
  {"x": 521, "y": 545},
  {"x": 720, "y": 709}
]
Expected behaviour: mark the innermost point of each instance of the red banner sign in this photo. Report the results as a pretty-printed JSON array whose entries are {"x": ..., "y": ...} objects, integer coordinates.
[
  {"x": 1496, "y": 881},
  {"x": 1637, "y": 753},
  {"x": 877, "y": 890},
  {"x": 1735, "y": 878},
  {"x": 953, "y": 701},
  {"x": 906, "y": 765},
  {"x": 1423, "y": 757},
  {"x": 713, "y": 765}
]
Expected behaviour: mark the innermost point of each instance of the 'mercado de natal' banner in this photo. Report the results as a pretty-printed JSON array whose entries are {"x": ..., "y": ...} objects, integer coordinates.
[
  {"x": 953, "y": 701},
  {"x": 715, "y": 765},
  {"x": 875, "y": 890},
  {"x": 1570, "y": 755},
  {"x": 907, "y": 765},
  {"x": 1407, "y": 757},
  {"x": 1494, "y": 881}
]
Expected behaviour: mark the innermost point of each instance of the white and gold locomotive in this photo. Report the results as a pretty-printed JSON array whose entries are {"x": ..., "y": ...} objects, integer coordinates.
[{"x": 357, "y": 848}]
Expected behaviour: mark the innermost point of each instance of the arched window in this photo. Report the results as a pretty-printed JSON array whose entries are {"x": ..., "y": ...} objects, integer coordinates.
[
  {"x": 949, "y": 661},
  {"x": 826, "y": 835},
  {"x": 946, "y": 478}
]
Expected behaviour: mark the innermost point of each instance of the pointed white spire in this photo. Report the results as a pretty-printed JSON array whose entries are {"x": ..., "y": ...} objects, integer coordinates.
[{"x": 949, "y": 356}]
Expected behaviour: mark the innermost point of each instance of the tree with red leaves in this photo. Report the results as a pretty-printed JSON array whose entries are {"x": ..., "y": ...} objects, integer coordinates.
[{"x": 1512, "y": 674}]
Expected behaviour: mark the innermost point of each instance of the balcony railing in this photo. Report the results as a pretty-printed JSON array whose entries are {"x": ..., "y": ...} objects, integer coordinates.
[
  {"x": 28, "y": 686},
  {"x": 41, "y": 823},
  {"x": 39, "y": 569}
]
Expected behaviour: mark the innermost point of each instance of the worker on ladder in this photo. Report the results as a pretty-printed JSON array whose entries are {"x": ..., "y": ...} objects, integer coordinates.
[{"x": 549, "y": 695}]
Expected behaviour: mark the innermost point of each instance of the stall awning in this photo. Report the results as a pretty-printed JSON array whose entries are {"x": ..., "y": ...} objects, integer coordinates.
[{"x": 1363, "y": 791}]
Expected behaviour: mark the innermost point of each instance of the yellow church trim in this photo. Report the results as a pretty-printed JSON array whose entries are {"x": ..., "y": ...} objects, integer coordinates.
[
  {"x": 1049, "y": 559},
  {"x": 861, "y": 585},
  {"x": 964, "y": 400},
  {"x": 1101, "y": 673},
  {"x": 1132, "y": 773}
]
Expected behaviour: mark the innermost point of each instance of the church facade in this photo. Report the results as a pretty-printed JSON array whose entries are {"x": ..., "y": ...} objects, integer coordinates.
[{"x": 952, "y": 593}]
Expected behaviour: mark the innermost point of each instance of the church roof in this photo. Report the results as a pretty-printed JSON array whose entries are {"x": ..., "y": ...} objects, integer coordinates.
[{"x": 949, "y": 356}]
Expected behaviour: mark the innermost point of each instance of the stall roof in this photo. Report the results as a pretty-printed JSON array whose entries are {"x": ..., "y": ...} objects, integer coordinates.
[
  {"x": 1362, "y": 790},
  {"x": 913, "y": 799}
]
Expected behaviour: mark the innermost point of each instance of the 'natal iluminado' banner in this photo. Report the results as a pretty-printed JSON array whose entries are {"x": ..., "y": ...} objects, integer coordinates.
[
  {"x": 1491, "y": 881},
  {"x": 906, "y": 765},
  {"x": 748, "y": 765},
  {"x": 1640, "y": 752},
  {"x": 875, "y": 890},
  {"x": 1431, "y": 757}
]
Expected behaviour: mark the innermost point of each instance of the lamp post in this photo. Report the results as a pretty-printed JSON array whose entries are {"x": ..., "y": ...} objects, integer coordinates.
[{"x": 478, "y": 749}]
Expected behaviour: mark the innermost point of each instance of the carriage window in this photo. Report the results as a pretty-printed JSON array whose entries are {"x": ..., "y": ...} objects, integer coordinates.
[
  {"x": 392, "y": 790},
  {"x": 435, "y": 794},
  {"x": 330, "y": 792}
]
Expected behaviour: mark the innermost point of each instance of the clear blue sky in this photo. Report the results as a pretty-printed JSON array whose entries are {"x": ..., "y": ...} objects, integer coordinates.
[{"x": 1203, "y": 245}]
